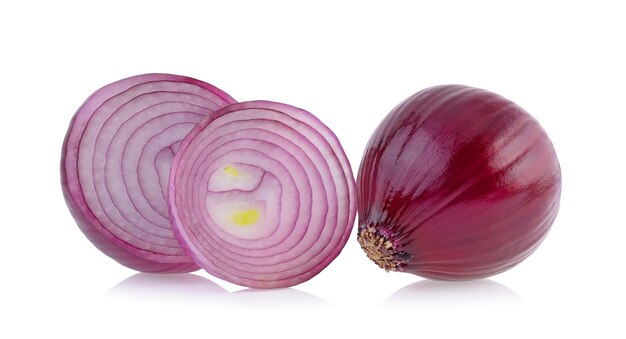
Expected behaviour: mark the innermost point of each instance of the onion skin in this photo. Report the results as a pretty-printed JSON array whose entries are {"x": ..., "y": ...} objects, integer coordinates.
[
  {"x": 456, "y": 183},
  {"x": 283, "y": 164},
  {"x": 74, "y": 174}
]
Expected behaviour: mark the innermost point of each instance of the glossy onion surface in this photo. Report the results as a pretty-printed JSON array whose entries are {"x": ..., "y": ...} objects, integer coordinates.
[
  {"x": 262, "y": 195},
  {"x": 456, "y": 183},
  {"x": 116, "y": 160}
]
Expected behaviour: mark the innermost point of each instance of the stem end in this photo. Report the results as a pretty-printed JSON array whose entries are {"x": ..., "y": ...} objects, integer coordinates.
[{"x": 382, "y": 249}]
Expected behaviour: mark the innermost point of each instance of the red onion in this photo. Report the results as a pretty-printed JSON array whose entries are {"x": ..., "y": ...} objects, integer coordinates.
[
  {"x": 456, "y": 183},
  {"x": 261, "y": 194},
  {"x": 116, "y": 160}
]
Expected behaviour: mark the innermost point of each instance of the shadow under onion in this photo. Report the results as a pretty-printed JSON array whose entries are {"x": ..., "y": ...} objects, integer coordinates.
[
  {"x": 189, "y": 288},
  {"x": 457, "y": 294},
  {"x": 181, "y": 288},
  {"x": 282, "y": 298}
]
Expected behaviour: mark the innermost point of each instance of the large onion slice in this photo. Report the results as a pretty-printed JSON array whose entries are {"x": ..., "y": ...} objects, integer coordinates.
[
  {"x": 261, "y": 194},
  {"x": 116, "y": 160}
]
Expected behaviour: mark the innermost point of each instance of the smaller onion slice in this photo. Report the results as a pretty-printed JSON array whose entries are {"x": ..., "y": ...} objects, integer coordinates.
[
  {"x": 261, "y": 194},
  {"x": 116, "y": 160}
]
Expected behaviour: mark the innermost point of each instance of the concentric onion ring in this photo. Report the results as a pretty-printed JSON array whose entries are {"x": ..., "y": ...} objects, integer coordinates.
[
  {"x": 261, "y": 194},
  {"x": 116, "y": 160}
]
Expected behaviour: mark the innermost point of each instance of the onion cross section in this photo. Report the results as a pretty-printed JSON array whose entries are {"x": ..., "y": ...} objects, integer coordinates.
[
  {"x": 261, "y": 194},
  {"x": 115, "y": 165}
]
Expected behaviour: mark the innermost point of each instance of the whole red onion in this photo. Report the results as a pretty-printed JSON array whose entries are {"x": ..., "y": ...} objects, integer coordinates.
[{"x": 456, "y": 183}]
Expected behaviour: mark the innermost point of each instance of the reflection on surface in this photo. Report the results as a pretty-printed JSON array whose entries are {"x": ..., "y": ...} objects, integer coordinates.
[
  {"x": 191, "y": 288},
  {"x": 430, "y": 293},
  {"x": 165, "y": 287},
  {"x": 277, "y": 299}
]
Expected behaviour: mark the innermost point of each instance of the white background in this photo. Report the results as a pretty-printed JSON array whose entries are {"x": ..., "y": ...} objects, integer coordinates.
[{"x": 349, "y": 63}]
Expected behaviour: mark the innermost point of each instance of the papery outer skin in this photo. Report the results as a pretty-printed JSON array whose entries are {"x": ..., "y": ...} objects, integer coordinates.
[
  {"x": 114, "y": 247},
  {"x": 226, "y": 267},
  {"x": 464, "y": 180}
]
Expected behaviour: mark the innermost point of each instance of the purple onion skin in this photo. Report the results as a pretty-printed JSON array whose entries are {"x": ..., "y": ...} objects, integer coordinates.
[{"x": 456, "y": 183}]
